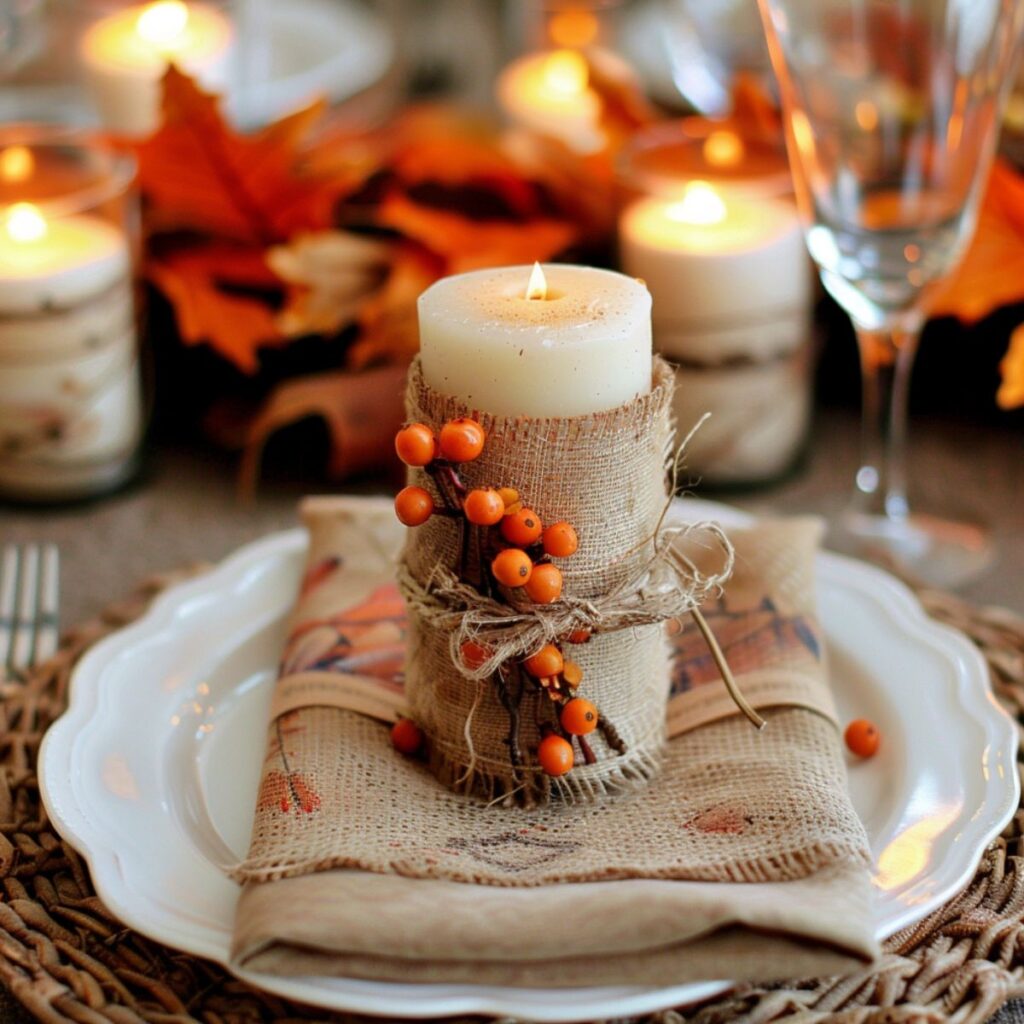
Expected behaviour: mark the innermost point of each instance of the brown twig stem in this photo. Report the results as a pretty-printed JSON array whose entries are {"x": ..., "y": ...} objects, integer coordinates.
[{"x": 723, "y": 667}]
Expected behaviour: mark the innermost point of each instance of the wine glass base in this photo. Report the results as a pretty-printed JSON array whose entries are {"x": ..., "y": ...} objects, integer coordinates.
[{"x": 923, "y": 549}]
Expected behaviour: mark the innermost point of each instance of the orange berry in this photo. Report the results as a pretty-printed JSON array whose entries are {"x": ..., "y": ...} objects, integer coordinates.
[
  {"x": 415, "y": 445},
  {"x": 545, "y": 584},
  {"x": 474, "y": 654},
  {"x": 547, "y": 661},
  {"x": 522, "y": 528},
  {"x": 413, "y": 506},
  {"x": 560, "y": 540},
  {"x": 863, "y": 737},
  {"x": 509, "y": 495},
  {"x": 406, "y": 736},
  {"x": 512, "y": 567},
  {"x": 579, "y": 636},
  {"x": 555, "y": 755},
  {"x": 572, "y": 674},
  {"x": 462, "y": 440},
  {"x": 483, "y": 507},
  {"x": 579, "y": 717}
]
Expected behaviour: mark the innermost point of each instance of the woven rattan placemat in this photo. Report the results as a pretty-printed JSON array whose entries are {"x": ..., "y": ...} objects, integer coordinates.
[{"x": 66, "y": 958}]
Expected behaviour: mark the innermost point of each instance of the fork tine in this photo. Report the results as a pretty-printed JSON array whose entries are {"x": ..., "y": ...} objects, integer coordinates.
[
  {"x": 48, "y": 631},
  {"x": 8, "y": 591},
  {"x": 22, "y": 650}
]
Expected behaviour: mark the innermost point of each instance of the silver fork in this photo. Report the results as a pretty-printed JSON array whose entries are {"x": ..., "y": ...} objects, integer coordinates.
[{"x": 29, "y": 590}]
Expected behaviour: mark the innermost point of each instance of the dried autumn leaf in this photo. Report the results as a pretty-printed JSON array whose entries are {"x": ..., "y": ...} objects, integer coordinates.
[
  {"x": 1011, "y": 391},
  {"x": 330, "y": 274},
  {"x": 210, "y": 286},
  {"x": 992, "y": 272},
  {"x": 196, "y": 172},
  {"x": 388, "y": 321},
  {"x": 361, "y": 411},
  {"x": 469, "y": 244}
]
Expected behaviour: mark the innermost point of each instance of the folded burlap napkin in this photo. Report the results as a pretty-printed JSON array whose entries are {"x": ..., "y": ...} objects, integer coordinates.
[{"x": 743, "y": 858}]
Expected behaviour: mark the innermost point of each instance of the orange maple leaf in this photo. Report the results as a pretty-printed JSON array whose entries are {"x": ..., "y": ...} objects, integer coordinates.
[
  {"x": 992, "y": 273},
  {"x": 196, "y": 172},
  {"x": 205, "y": 283},
  {"x": 468, "y": 244}
]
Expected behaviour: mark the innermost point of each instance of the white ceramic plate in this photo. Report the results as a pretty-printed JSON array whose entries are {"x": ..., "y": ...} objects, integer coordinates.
[{"x": 152, "y": 772}]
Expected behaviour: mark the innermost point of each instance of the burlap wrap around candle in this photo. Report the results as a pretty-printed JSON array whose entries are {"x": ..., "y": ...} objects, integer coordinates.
[{"x": 606, "y": 474}]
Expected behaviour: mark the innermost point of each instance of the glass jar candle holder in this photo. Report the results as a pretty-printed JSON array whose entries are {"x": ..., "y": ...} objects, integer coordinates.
[
  {"x": 708, "y": 222},
  {"x": 70, "y": 397}
]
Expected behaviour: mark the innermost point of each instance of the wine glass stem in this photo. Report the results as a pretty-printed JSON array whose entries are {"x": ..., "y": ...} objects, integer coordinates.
[{"x": 886, "y": 359}]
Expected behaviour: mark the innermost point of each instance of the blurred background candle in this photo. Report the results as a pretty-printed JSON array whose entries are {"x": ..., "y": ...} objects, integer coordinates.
[
  {"x": 521, "y": 341},
  {"x": 70, "y": 404},
  {"x": 125, "y": 54},
  {"x": 549, "y": 93},
  {"x": 731, "y": 293}
]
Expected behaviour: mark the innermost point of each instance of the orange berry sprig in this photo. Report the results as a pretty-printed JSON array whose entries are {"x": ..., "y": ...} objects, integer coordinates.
[{"x": 520, "y": 550}]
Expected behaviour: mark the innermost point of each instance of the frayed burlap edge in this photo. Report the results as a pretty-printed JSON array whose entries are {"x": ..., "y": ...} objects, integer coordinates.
[{"x": 67, "y": 959}]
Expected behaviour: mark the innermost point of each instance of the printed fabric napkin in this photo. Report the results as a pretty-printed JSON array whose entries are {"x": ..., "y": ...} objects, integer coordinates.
[{"x": 743, "y": 858}]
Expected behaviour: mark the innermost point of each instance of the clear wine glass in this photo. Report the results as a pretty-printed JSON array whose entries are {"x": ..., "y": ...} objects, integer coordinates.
[{"x": 891, "y": 112}]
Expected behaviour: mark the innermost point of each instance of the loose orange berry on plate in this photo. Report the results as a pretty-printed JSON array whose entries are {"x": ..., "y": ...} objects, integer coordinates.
[
  {"x": 462, "y": 440},
  {"x": 510, "y": 497},
  {"x": 572, "y": 674},
  {"x": 474, "y": 653},
  {"x": 413, "y": 506},
  {"x": 483, "y": 506},
  {"x": 863, "y": 737},
  {"x": 415, "y": 445},
  {"x": 406, "y": 736},
  {"x": 548, "y": 661},
  {"x": 545, "y": 584},
  {"x": 555, "y": 755},
  {"x": 579, "y": 717},
  {"x": 579, "y": 636},
  {"x": 523, "y": 528},
  {"x": 560, "y": 540},
  {"x": 512, "y": 568}
]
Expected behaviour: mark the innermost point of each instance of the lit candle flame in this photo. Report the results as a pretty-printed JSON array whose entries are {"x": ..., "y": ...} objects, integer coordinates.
[
  {"x": 565, "y": 73},
  {"x": 538, "y": 285},
  {"x": 16, "y": 163},
  {"x": 700, "y": 204},
  {"x": 24, "y": 223},
  {"x": 723, "y": 148},
  {"x": 161, "y": 23}
]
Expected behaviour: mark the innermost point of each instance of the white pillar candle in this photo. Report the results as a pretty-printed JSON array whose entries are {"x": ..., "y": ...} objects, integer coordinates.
[
  {"x": 70, "y": 416},
  {"x": 126, "y": 54},
  {"x": 548, "y": 93},
  {"x": 575, "y": 341},
  {"x": 732, "y": 289}
]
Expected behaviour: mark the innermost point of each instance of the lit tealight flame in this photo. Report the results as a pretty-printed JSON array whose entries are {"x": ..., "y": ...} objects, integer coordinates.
[
  {"x": 700, "y": 204},
  {"x": 573, "y": 27},
  {"x": 723, "y": 148},
  {"x": 538, "y": 286},
  {"x": 24, "y": 223},
  {"x": 161, "y": 23},
  {"x": 16, "y": 163},
  {"x": 565, "y": 73}
]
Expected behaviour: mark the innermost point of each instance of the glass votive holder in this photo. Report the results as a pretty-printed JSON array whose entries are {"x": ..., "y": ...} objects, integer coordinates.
[
  {"x": 70, "y": 395},
  {"x": 709, "y": 223}
]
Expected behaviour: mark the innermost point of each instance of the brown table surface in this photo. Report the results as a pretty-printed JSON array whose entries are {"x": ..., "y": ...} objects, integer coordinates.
[{"x": 185, "y": 509}]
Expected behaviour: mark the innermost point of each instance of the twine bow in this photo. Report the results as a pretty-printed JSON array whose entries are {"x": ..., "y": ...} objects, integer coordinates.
[{"x": 667, "y": 586}]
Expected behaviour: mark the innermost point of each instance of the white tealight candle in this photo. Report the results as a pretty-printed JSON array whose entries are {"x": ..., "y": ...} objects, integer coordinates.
[
  {"x": 126, "y": 54},
  {"x": 731, "y": 286},
  {"x": 549, "y": 93},
  {"x": 562, "y": 341},
  {"x": 53, "y": 263}
]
